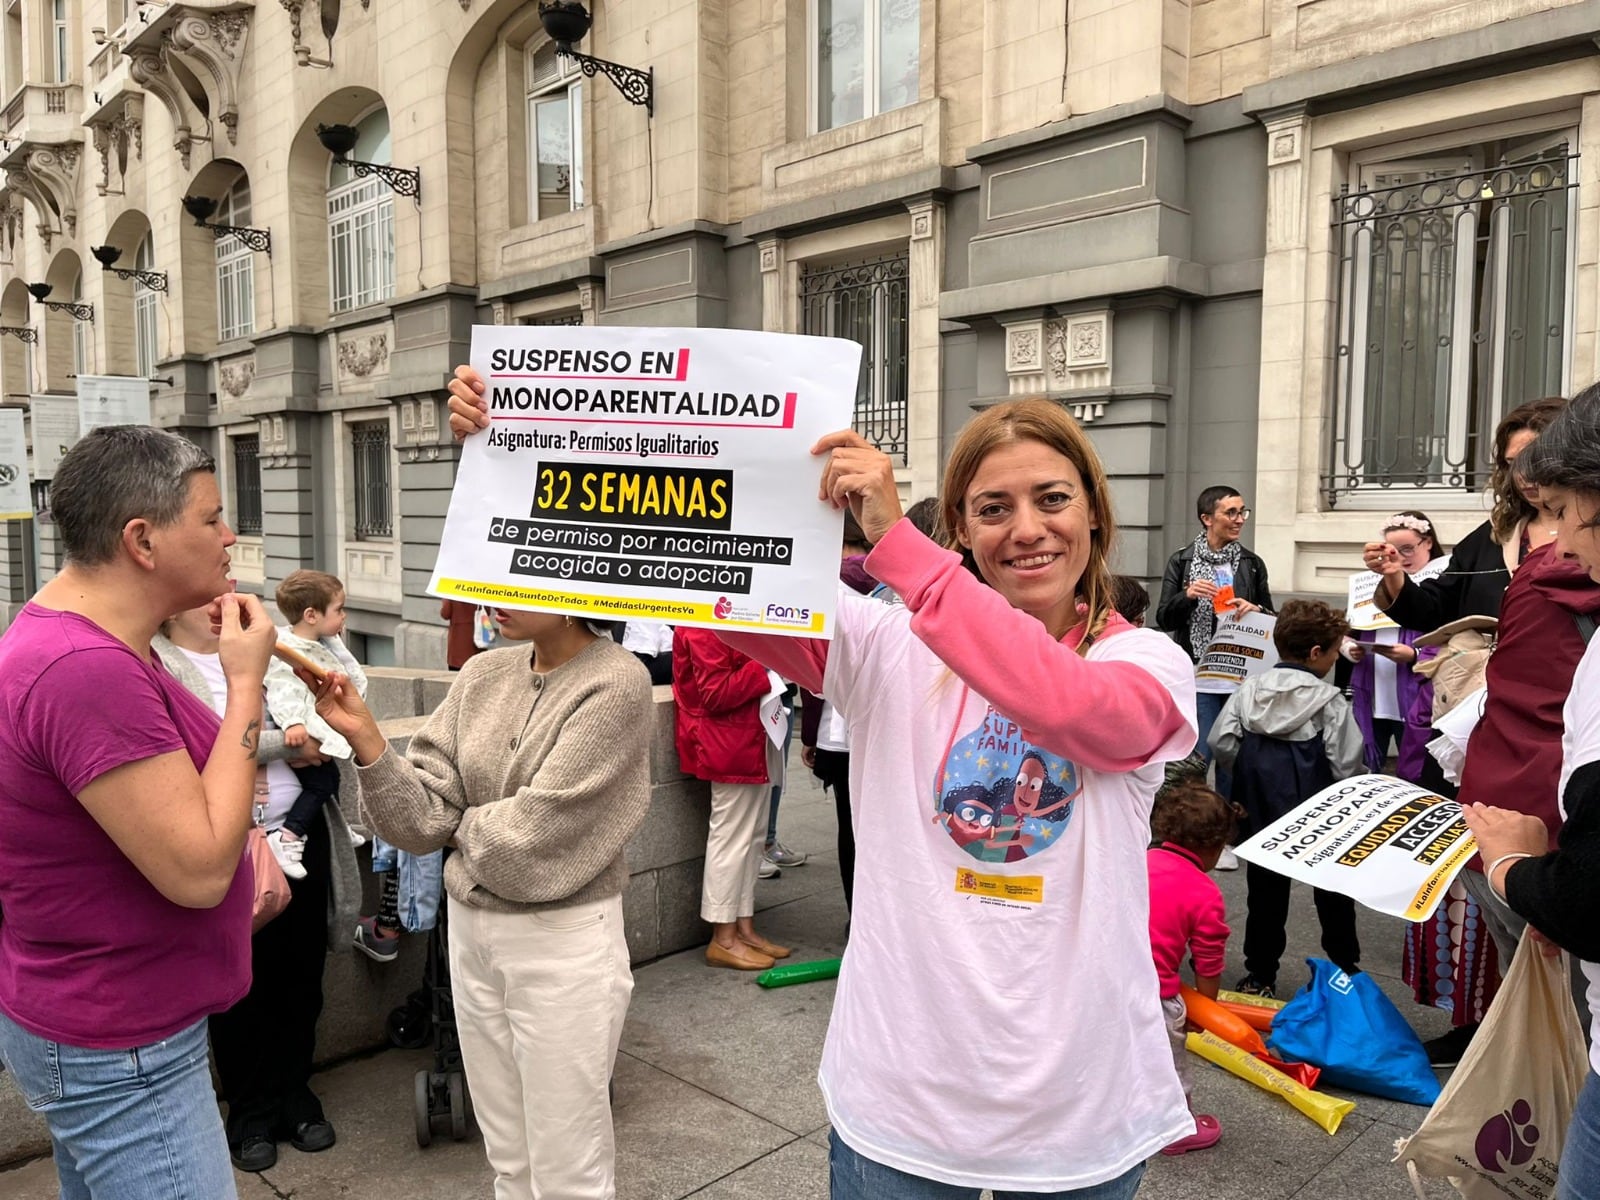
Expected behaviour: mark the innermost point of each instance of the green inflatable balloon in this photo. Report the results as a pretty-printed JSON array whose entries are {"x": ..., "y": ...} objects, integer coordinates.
[{"x": 800, "y": 972}]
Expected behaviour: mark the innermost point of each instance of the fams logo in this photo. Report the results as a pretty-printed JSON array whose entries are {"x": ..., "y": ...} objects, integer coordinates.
[{"x": 785, "y": 614}]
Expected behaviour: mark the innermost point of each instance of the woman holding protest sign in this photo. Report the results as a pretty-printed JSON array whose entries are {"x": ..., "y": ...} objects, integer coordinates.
[
  {"x": 1006, "y": 656},
  {"x": 1393, "y": 705},
  {"x": 1557, "y": 890},
  {"x": 536, "y": 770}
]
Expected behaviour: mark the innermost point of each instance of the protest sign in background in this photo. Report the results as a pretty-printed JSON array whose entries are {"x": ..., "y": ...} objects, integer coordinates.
[
  {"x": 54, "y": 421},
  {"x": 1384, "y": 842},
  {"x": 16, "y": 504},
  {"x": 1241, "y": 647},
  {"x": 1363, "y": 612},
  {"x": 112, "y": 400},
  {"x": 652, "y": 473}
]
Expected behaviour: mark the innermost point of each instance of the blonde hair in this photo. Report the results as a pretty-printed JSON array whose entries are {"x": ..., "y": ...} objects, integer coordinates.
[{"x": 1048, "y": 424}]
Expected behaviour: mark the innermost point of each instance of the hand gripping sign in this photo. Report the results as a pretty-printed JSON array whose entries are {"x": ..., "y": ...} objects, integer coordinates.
[
  {"x": 651, "y": 473},
  {"x": 1384, "y": 842}
]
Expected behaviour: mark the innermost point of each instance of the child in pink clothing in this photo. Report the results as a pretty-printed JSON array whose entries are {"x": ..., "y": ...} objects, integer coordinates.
[{"x": 1190, "y": 825}]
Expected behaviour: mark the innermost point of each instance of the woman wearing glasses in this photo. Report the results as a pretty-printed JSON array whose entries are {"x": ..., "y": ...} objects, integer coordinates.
[
  {"x": 1383, "y": 690},
  {"x": 1189, "y": 589}
]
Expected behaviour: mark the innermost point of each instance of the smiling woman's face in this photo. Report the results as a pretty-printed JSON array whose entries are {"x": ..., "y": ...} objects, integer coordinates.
[{"x": 1027, "y": 520}]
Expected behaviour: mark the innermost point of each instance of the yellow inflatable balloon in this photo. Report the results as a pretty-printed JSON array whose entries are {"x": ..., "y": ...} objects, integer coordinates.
[{"x": 1324, "y": 1110}]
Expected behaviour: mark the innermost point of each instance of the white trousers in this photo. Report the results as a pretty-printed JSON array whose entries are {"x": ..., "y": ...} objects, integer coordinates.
[
  {"x": 540, "y": 1000},
  {"x": 737, "y": 836}
]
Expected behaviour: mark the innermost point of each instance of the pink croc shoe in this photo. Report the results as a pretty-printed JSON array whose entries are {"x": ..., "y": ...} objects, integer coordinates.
[{"x": 1207, "y": 1133}]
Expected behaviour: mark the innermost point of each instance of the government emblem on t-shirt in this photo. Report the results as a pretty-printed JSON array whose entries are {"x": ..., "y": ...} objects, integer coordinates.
[{"x": 1001, "y": 798}]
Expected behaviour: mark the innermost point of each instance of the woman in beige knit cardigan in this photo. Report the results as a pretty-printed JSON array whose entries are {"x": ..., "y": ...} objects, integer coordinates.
[{"x": 536, "y": 770}]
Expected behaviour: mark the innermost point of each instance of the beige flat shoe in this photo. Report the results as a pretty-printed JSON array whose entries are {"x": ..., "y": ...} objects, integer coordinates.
[
  {"x": 739, "y": 957},
  {"x": 770, "y": 949}
]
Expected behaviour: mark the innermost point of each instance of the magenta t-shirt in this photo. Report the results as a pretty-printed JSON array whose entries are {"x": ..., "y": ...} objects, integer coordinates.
[{"x": 91, "y": 954}]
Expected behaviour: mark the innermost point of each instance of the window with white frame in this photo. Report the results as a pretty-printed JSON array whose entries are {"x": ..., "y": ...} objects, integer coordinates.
[
  {"x": 80, "y": 331},
  {"x": 1454, "y": 307},
  {"x": 373, "y": 508},
  {"x": 555, "y": 134},
  {"x": 361, "y": 222},
  {"x": 868, "y": 302},
  {"x": 865, "y": 58},
  {"x": 58, "y": 40},
  {"x": 236, "y": 274},
  {"x": 144, "y": 312}
]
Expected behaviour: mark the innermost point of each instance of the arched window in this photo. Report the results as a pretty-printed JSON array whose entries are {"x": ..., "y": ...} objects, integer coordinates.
[
  {"x": 144, "y": 312},
  {"x": 555, "y": 134},
  {"x": 80, "y": 331},
  {"x": 361, "y": 222},
  {"x": 236, "y": 278}
]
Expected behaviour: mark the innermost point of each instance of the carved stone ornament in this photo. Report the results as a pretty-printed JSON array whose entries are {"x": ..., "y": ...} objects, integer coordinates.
[
  {"x": 217, "y": 43},
  {"x": 235, "y": 377},
  {"x": 1024, "y": 348},
  {"x": 769, "y": 256},
  {"x": 362, "y": 356},
  {"x": 150, "y": 71}
]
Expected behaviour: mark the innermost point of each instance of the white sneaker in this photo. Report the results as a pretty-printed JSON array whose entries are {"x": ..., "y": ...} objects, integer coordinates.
[
  {"x": 288, "y": 853},
  {"x": 1229, "y": 860},
  {"x": 768, "y": 869}
]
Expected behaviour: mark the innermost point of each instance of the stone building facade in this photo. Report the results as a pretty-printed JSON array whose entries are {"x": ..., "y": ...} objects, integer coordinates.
[{"x": 1312, "y": 247}]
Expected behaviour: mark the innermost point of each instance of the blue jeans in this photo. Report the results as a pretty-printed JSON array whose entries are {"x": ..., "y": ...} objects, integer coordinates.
[
  {"x": 1207, "y": 708},
  {"x": 1580, "y": 1161},
  {"x": 141, "y": 1122},
  {"x": 853, "y": 1177},
  {"x": 777, "y": 788}
]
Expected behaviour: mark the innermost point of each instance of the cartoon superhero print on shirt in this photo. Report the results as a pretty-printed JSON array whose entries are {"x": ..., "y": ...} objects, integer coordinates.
[{"x": 1004, "y": 799}]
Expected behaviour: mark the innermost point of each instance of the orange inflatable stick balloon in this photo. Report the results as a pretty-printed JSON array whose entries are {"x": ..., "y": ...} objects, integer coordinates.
[
  {"x": 1207, "y": 1014},
  {"x": 1253, "y": 1015}
]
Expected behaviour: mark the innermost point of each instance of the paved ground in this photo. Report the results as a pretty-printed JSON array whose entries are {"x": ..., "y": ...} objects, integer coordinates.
[{"x": 716, "y": 1092}]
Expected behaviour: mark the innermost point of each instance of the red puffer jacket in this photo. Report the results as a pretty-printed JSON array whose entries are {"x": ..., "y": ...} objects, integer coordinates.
[{"x": 718, "y": 691}]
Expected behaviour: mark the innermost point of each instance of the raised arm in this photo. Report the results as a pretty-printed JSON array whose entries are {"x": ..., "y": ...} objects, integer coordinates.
[
  {"x": 590, "y": 794},
  {"x": 182, "y": 829},
  {"x": 1108, "y": 715},
  {"x": 414, "y": 800}
]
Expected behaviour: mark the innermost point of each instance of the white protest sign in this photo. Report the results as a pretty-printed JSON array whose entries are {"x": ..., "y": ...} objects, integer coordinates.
[
  {"x": 652, "y": 473},
  {"x": 112, "y": 400},
  {"x": 1384, "y": 842},
  {"x": 55, "y": 429},
  {"x": 1241, "y": 648},
  {"x": 16, "y": 504},
  {"x": 1363, "y": 612}
]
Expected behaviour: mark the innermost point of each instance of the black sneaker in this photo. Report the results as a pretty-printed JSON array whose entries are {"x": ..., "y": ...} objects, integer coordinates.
[
  {"x": 1251, "y": 986},
  {"x": 310, "y": 1137},
  {"x": 254, "y": 1153},
  {"x": 1446, "y": 1051}
]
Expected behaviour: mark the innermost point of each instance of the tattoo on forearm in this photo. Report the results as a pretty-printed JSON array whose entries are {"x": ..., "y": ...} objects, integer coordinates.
[{"x": 249, "y": 737}]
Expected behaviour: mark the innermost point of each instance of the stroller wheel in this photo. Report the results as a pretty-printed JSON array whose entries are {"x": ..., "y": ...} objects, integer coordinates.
[
  {"x": 424, "y": 1119},
  {"x": 458, "y": 1106},
  {"x": 409, "y": 1027}
]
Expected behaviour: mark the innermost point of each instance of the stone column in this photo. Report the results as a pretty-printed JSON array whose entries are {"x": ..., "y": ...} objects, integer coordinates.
[
  {"x": 288, "y": 483},
  {"x": 924, "y": 368},
  {"x": 778, "y": 301},
  {"x": 1289, "y": 427},
  {"x": 13, "y": 569}
]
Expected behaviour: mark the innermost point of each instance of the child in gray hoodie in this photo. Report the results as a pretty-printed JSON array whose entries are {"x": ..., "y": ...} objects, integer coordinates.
[{"x": 1286, "y": 735}]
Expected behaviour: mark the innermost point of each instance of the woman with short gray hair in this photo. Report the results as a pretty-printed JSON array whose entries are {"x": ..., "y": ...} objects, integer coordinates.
[{"x": 124, "y": 805}]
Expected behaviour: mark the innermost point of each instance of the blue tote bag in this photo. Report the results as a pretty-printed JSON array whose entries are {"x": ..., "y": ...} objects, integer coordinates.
[{"x": 1347, "y": 1026}]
